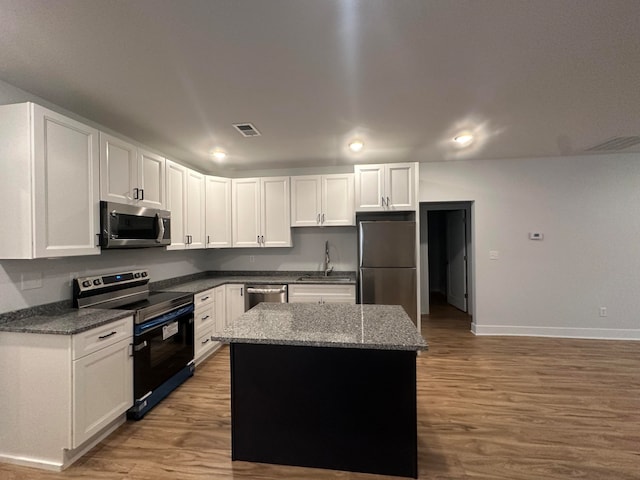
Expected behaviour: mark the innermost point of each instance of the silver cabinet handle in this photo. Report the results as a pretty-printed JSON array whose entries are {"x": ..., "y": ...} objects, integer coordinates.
[
  {"x": 142, "y": 194},
  {"x": 204, "y": 298},
  {"x": 318, "y": 219},
  {"x": 382, "y": 201},
  {"x": 102, "y": 337},
  {"x": 258, "y": 239},
  {"x": 322, "y": 218},
  {"x": 387, "y": 201},
  {"x": 206, "y": 341},
  {"x": 135, "y": 193},
  {"x": 262, "y": 239},
  {"x": 205, "y": 317},
  {"x": 241, "y": 289},
  {"x": 208, "y": 239}
]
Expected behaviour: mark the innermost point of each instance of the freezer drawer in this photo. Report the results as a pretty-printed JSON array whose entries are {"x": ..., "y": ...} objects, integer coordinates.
[{"x": 390, "y": 286}]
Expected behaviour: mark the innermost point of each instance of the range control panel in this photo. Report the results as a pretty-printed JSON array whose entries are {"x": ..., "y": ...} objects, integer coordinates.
[{"x": 96, "y": 282}]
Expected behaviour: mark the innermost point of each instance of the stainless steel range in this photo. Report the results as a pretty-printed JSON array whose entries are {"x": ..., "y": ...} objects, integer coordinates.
[{"x": 163, "y": 331}]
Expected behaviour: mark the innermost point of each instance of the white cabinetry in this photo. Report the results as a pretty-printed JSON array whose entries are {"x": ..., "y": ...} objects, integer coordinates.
[
  {"x": 102, "y": 378},
  {"x": 73, "y": 391},
  {"x": 260, "y": 211},
  {"x": 234, "y": 302},
  {"x": 129, "y": 174},
  {"x": 218, "y": 212},
  {"x": 185, "y": 201},
  {"x": 322, "y": 293},
  {"x": 326, "y": 200},
  {"x": 209, "y": 319},
  {"x": 386, "y": 187},
  {"x": 49, "y": 187}
]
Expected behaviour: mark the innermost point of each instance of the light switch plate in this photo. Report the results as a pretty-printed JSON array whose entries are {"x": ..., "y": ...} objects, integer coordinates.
[
  {"x": 536, "y": 236},
  {"x": 493, "y": 254}
]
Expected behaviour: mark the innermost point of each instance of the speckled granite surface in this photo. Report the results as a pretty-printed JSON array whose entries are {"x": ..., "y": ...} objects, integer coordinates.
[
  {"x": 258, "y": 278},
  {"x": 64, "y": 322},
  {"x": 380, "y": 327}
]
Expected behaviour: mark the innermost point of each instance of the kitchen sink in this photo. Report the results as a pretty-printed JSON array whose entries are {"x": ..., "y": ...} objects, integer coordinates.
[{"x": 323, "y": 279}]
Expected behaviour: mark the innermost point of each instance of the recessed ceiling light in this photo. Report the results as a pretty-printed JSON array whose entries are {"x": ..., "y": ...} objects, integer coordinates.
[
  {"x": 218, "y": 154},
  {"x": 356, "y": 146},
  {"x": 463, "y": 139}
]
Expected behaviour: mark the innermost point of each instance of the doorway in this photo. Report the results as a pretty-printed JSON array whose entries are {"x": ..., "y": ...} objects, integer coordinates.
[{"x": 446, "y": 255}]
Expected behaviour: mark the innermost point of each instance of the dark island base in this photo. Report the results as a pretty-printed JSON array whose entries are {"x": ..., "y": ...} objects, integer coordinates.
[{"x": 336, "y": 408}]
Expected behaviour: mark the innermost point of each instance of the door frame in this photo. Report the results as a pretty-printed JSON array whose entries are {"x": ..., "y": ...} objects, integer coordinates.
[{"x": 425, "y": 208}]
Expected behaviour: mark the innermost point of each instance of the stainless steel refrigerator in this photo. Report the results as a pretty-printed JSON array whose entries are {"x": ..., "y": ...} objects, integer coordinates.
[{"x": 387, "y": 263}]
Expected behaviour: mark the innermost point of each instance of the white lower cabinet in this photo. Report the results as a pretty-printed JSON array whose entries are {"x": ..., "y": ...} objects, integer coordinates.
[
  {"x": 322, "y": 293},
  {"x": 234, "y": 302},
  {"x": 209, "y": 319},
  {"x": 73, "y": 390}
]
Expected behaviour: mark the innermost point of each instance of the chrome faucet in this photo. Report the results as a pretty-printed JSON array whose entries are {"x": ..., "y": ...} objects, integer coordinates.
[{"x": 327, "y": 260}]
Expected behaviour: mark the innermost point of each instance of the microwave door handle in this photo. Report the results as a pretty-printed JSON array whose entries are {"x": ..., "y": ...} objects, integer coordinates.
[{"x": 160, "y": 229}]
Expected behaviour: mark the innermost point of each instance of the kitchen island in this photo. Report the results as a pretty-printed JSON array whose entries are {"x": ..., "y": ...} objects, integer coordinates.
[{"x": 328, "y": 386}]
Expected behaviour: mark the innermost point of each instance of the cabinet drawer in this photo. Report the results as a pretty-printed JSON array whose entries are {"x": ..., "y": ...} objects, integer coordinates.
[
  {"x": 204, "y": 318},
  {"x": 100, "y": 337},
  {"x": 203, "y": 298},
  {"x": 203, "y": 343}
]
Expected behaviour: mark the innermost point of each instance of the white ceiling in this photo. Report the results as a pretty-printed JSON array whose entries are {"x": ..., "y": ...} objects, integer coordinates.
[{"x": 532, "y": 78}]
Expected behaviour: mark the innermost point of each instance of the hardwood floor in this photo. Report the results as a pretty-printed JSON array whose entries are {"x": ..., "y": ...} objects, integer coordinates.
[{"x": 499, "y": 408}]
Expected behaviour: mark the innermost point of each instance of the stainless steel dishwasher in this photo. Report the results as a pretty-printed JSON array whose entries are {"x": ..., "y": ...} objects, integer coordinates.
[{"x": 256, "y": 294}]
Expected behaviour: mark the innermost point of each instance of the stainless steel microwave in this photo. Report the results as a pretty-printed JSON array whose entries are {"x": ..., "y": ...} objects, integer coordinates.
[{"x": 129, "y": 226}]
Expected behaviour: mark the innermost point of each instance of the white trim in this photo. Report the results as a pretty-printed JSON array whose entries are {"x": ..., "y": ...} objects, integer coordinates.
[{"x": 558, "y": 332}]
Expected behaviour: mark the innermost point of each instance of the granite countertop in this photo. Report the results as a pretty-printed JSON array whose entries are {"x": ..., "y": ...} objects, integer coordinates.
[
  {"x": 203, "y": 284},
  {"x": 64, "y": 322},
  {"x": 379, "y": 327}
]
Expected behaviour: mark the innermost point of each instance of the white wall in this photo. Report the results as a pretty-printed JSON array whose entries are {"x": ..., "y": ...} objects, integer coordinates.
[
  {"x": 56, "y": 274},
  {"x": 307, "y": 252},
  {"x": 587, "y": 208}
]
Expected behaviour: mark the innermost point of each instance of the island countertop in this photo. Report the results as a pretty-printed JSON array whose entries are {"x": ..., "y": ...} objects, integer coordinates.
[{"x": 378, "y": 327}]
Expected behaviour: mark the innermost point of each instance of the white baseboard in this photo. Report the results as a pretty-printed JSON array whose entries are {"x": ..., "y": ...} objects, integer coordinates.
[
  {"x": 31, "y": 462},
  {"x": 558, "y": 332}
]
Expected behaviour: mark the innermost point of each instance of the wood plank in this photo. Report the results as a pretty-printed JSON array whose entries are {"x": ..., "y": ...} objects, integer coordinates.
[{"x": 494, "y": 408}]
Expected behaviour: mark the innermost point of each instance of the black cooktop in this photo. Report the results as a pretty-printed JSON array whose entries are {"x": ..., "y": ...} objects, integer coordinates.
[{"x": 157, "y": 299}]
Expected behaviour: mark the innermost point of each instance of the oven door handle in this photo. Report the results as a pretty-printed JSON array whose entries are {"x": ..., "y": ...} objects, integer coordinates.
[{"x": 162, "y": 320}]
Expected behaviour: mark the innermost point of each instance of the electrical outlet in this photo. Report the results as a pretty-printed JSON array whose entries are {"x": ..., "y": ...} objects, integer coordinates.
[
  {"x": 31, "y": 281},
  {"x": 603, "y": 311},
  {"x": 252, "y": 258},
  {"x": 493, "y": 254}
]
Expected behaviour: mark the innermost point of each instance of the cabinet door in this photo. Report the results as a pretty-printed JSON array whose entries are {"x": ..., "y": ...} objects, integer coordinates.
[
  {"x": 176, "y": 180},
  {"x": 369, "y": 187},
  {"x": 218, "y": 212},
  {"x": 306, "y": 201},
  {"x": 195, "y": 209},
  {"x": 275, "y": 212},
  {"x": 66, "y": 182},
  {"x": 245, "y": 208},
  {"x": 220, "y": 307},
  {"x": 234, "y": 302},
  {"x": 102, "y": 389},
  {"x": 338, "y": 200},
  {"x": 400, "y": 193},
  {"x": 151, "y": 169},
  {"x": 118, "y": 169}
]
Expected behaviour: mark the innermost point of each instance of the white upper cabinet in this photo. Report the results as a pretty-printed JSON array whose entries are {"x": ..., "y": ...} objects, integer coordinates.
[
  {"x": 260, "y": 212},
  {"x": 322, "y": 200},
  {"x": 151, "y": 170},
  {"x": 218, "y": 212},
  {"x": 386, "y": 187},
  {"x": 195, "y": 209},
  {"x": 185, "y": 201},
  {"x": 129, "y": 174},
  {"x": 49, "y": 187}
]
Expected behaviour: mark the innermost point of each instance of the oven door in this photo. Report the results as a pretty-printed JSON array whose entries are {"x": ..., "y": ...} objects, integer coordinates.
[{"x": 162, "y": 347}]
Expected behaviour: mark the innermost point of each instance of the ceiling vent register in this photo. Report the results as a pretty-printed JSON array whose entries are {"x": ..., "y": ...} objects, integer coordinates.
[
  {"x": 247, "y": 129},
  {"x": 615, "y": 144}
]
